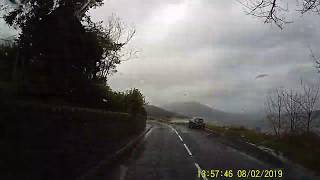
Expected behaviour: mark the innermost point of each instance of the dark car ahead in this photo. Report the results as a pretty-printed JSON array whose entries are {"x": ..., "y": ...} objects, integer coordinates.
[{"x": 196, "y": 123}]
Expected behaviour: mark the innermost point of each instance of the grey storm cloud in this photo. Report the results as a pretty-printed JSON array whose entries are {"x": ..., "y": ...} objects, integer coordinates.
[{"x": 211, "y": 52}]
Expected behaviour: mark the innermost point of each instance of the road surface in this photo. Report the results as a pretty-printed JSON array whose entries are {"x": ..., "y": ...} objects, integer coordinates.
[{"x": 174, "y": 152}]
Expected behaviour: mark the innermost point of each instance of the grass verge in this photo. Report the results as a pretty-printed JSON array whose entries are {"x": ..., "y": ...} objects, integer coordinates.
[{"x": 303, "y": 149}]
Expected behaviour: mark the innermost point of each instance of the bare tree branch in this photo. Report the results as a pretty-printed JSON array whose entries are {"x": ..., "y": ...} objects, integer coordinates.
[{"x": 275, "y": 11}]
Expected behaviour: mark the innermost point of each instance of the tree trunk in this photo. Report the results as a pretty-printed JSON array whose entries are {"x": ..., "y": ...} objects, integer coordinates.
[
  {"x": 308, "y": 123},
  {"x": 279, "y": 122}
]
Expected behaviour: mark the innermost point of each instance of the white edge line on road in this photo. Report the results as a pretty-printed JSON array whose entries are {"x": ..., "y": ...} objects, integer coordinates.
[
  {"x": 189, "y": 152},
  {"x": 176, "y": 132},
  {"x": 199, "y": 169},
  {"x": 187, "y": 149},
  {"x": 173, "y": 129},
  {"x": 148, "y": 133}
]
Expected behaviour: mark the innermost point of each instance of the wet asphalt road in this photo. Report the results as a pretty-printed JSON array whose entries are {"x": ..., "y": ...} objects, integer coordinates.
[{"x": 174, "y": 152}]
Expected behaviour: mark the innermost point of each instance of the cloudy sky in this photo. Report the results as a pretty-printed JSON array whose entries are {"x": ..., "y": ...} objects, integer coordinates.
[{"x": 211, "y": 52}]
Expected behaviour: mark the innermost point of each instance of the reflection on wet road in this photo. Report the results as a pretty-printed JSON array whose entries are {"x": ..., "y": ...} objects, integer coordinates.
[{"x": 174, "y": 152}]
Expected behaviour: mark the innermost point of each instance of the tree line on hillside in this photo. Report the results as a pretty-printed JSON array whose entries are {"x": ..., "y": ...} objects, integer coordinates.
[
  {"x": 292, "y": 111},
  {"x": 62, "y": 55}
]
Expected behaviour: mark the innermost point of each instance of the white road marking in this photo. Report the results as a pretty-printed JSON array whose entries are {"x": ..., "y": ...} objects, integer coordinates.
[
  {"x": 189, "y": 152},
  {"x": 199, "y": 169},
  {"x": 148, "y": 133},
  {"x": 187, "y": 149},
  {"x": 175, "y": 131}
]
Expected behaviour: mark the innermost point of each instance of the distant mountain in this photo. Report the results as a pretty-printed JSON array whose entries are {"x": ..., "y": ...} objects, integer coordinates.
[
  {"x": 195, "y": 109},
  {"x": 161, "y": 113}
]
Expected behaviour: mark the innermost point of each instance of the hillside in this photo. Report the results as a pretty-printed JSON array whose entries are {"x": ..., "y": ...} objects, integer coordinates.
[
  {"x": 195, "y": 109},
  {"x": 161, "y": 113}
]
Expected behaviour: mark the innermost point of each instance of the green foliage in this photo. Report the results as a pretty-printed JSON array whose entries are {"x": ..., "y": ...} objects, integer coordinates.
[
  {"x": 62, "y": 53},
  {"x": 131, "y": 101},
  {"x": 95, "y": 94},
  {"x": 8, "y": 52},
  {"x": 24, "y": 10},
  {"x": 7, "y": 57},
  {"x": 134, "y": 101}
]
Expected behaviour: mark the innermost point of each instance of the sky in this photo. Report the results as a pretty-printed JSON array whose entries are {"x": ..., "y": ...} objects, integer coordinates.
[{"x": 210, "y": 51}]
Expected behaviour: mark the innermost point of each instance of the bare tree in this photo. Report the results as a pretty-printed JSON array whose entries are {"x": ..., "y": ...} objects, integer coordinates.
[
  {"x": 310, "y": 5},
  {"x": 315, "y": 58},
  {"x": 309, "y": 101},
  {"x": 292, "y": 107},
  {"x": 117, "y": 32},
  {"x": 294, "y": 110},
  {"x": 274, "y": 108},
  {"x": 274, "y": 11},
  {"x": 271, "y": 117}
]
